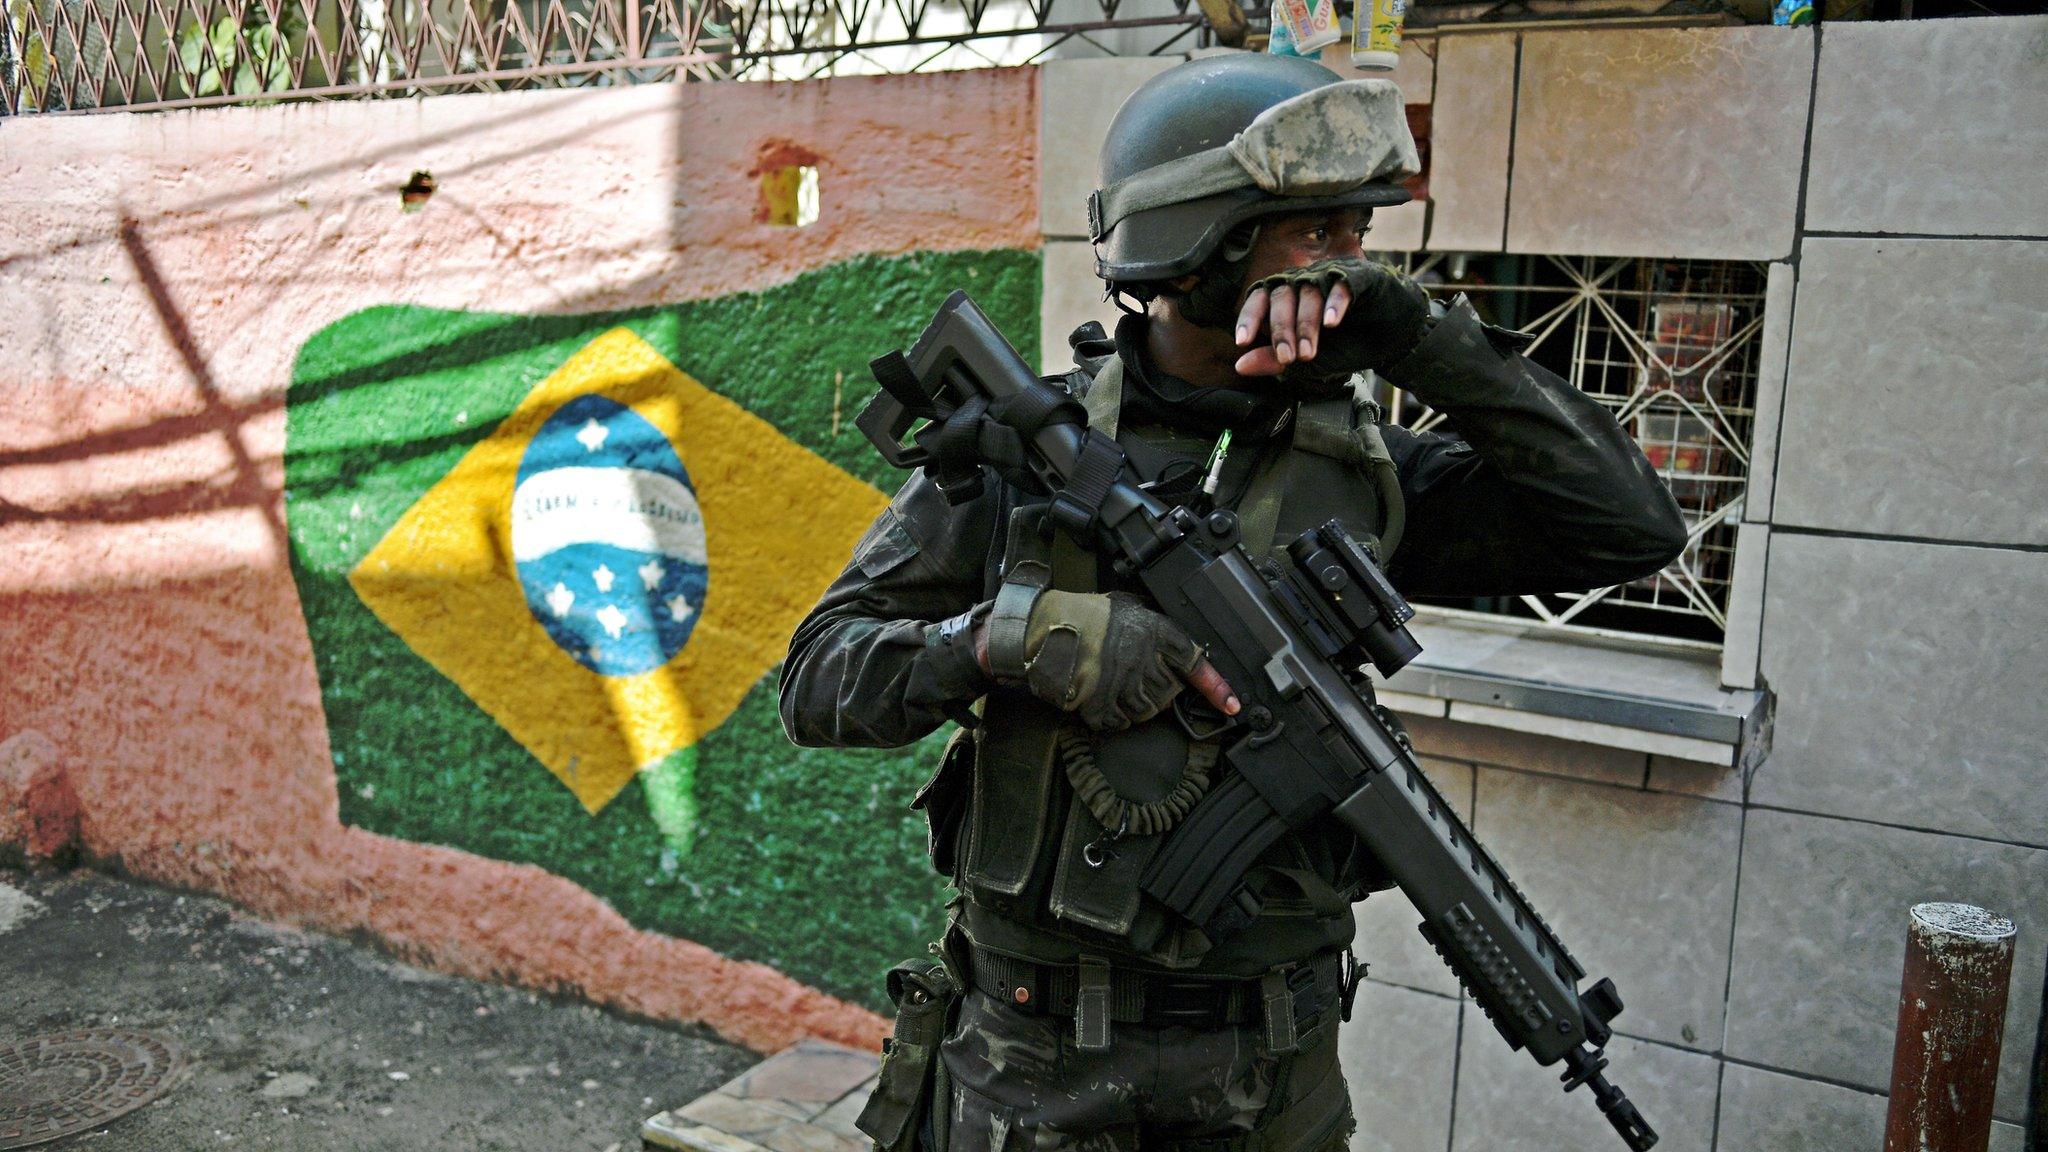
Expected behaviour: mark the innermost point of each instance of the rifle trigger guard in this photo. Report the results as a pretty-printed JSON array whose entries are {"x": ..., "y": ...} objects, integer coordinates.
[{"x": 1199, "y": 722}]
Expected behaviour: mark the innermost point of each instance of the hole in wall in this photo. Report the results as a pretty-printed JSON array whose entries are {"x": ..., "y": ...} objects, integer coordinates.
[
  {"x": 790, "y": 195},
  {"x": 789, "y": 188},
  {"x": 415, "y": 193}
]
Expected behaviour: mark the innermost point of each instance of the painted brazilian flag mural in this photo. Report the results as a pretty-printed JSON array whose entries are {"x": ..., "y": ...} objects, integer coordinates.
[{"x": 550, "y": 565}]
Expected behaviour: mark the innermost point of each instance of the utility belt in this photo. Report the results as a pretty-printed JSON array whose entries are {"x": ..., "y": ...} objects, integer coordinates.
[
  {"x": 1288, "y": 1004},
  {"x": 1296, "y": 1006}
]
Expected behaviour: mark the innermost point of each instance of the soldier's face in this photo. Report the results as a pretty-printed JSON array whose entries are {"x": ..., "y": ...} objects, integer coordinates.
[{"x": 1298, "y": 239}]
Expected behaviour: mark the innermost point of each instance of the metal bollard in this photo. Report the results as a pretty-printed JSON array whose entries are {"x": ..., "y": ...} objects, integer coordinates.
[{"x": 1951, "y": 1026}]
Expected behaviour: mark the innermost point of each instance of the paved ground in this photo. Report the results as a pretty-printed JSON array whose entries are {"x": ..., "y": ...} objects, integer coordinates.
[
  {"x": 309, "y": 1043},
  {"x": 805, "y": 1099}
]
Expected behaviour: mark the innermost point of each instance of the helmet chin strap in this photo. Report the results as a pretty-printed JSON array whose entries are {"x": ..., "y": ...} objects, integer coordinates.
[{"x": 1212, "y": 302}]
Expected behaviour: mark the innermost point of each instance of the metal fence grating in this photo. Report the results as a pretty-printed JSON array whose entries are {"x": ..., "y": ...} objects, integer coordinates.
[
  {"x": 1671, "y": 347},
  {"x": 146, "y": 55}
]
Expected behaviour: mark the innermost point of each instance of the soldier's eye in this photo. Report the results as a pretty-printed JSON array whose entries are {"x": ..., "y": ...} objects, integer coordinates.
[{"x": 1318, "y": 235}]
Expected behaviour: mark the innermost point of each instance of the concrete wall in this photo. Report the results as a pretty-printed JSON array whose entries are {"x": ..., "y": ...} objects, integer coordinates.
[{"x": 264, "y": 432}]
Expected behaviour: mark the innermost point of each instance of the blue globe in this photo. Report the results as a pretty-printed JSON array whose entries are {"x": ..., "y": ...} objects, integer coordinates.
[{"x": 608, "y": 539}]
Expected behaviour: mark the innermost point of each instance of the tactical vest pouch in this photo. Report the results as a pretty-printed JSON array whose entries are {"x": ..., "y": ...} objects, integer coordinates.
[
  {"x": 1013, "y": 780},
  {"x": 943, "y": 800},
  {"x": 925, "y": 996},
  {"x": 1096, "y": 880},
  {"x": 1119, "y": 815}
]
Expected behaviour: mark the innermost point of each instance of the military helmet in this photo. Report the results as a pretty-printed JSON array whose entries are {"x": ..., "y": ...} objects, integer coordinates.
[{"x": 1215, "y": 142}]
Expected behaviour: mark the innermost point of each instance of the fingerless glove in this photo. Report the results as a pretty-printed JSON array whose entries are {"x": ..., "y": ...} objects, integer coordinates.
[
  {"x": 1107, "y": 658},
  {"x": 1388, "y": 316}
]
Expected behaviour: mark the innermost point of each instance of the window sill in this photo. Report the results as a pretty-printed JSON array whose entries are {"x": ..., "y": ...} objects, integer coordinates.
[{"x": 1593, "y": 689}]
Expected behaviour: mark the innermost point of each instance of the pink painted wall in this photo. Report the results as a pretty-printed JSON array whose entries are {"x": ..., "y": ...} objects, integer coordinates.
[{"x": 158, "y": 705}]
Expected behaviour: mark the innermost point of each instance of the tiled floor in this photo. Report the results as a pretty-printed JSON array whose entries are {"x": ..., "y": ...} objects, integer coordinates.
[{"x": 803, "y": 1099}]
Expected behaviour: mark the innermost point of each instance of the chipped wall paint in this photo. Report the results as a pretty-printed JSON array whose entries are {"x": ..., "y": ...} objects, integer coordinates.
[{"x": 163, "y": 277}]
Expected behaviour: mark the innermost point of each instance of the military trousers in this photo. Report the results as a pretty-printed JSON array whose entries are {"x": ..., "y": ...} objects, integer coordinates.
[{"x": 1020, "y": 1083}]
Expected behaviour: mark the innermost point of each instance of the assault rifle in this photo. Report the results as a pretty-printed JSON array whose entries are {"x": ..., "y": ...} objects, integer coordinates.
[{"x": 1292, "y": 636}]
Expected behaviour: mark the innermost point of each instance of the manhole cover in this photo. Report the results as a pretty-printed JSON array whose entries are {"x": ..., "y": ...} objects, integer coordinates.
[{"x": 68, "y": 1082}]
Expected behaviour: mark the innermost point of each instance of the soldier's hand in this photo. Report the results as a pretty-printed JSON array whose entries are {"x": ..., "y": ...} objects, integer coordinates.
[
  {"x": 1389, "y": 315},
  {"x": 1112, "y": 660},
  {"x": 1292, "y": 315}
]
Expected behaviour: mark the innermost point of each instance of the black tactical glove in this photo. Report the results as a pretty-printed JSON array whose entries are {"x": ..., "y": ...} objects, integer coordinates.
[
  {"x": 1108, "y": 658},
  {"x": 1388, "y": 316}
]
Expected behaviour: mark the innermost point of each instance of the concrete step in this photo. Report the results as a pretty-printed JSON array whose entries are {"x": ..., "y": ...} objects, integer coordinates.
[{"x": 802, "y": 1099}]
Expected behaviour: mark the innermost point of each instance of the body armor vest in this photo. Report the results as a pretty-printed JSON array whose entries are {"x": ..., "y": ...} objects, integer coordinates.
[{"x": 1061, "y": 822}]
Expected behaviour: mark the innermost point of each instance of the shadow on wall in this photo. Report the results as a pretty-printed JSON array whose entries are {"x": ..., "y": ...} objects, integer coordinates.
[
  {"x": 463, "y": 710},
  {"x": 593, "y": 692},
  {"x": 549, "y": 565},
  {"x": 251, "y": 484},
  {"x": 249, "y": 481}
]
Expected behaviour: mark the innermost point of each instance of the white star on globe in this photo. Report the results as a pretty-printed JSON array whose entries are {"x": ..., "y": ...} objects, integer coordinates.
[
  {"x": 679, "y": 609},
  {"x": 592, "y": 435},
  {"x": 604, "y": 577},
  {"x": 650, "y": 573},
  {"x": 559, "y": 599},
  {"x": 614, "y": 621}
]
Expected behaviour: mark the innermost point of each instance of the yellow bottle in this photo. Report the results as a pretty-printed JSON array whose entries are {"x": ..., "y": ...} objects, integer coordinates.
[{"x": 1376, "y": 38}]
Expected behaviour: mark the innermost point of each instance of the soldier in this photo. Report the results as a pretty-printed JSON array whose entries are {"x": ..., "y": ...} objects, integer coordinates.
[{"x": 1237, "y": 192}]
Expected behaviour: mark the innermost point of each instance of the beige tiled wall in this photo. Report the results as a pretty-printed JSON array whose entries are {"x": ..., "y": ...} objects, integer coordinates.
[
  {"x": 1615, "y": 869},
  {"x": 1743, "y": 637},
  {"x": 1916, "y": 401},
  {"x": 1471, "y": 131},
  {"x": 1775, "y": 346},
  {"x": 1934, "y": 127},
  {"x": 1907, "y": 741},
  {"x": 1504, "y": 1101},
  {"x": 1660, "y": 143},
  {"x": 1757, "y": 947},
  {"x": 1909, "y": 684},
  {"x": 1400, "y": 1056}
]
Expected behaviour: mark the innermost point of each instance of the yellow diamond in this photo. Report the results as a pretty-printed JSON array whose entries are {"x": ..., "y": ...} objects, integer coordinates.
[{"x": 777, "y": 522}]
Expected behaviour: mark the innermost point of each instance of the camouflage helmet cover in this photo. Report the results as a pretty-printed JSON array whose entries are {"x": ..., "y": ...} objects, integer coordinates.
[{"x": 1214, "y": 142}]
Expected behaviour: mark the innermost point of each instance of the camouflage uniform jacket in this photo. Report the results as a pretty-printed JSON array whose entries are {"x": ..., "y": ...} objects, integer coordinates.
[{"x": 1541, "y": 491}]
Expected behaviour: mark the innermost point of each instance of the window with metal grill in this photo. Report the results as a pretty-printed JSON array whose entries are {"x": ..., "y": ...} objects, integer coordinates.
[{"x": 1671, "y": 347}]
